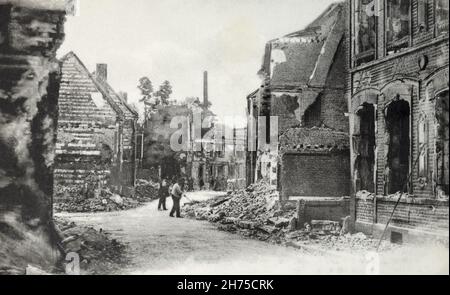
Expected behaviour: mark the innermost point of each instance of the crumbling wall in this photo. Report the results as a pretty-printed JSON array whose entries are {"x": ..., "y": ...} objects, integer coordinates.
[
  {"x": 88, "y": 131},
  {"x": 29, "y": 86},
  {"x": 315, "y": 174},
  {"x": 157, "y": 146}
]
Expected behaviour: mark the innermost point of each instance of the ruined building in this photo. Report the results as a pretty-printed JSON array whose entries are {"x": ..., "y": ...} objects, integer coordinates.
[
  {"x": 199, "y": 158},
  {"x": 96, "y": 129},
  {"x": 160, "y": 158},
  {"x": 226, "y": 158},
  {"x": 30, "y": 34},
  {"x": 303, "y": 75},
  {"x": 398, "y": 95}
]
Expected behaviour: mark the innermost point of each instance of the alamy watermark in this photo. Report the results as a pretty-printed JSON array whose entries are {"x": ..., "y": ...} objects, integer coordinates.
[
  {"x": 194, "y": 134},
  {"x": 73, "y": 264}
]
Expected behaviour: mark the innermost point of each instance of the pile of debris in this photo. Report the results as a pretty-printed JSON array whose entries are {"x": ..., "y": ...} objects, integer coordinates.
[
  {"x": 146, "y": 189},
  {"x": 253, "y": 212},
  {"x": 94, "y": 250},
  {"x": 75, "y": 199},
  {"x": 81, "y": 250},
  {"x": 256, "y": 213}
]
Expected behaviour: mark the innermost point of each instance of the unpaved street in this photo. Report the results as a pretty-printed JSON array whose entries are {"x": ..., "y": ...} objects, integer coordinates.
[{"x": 158, "y": 244}]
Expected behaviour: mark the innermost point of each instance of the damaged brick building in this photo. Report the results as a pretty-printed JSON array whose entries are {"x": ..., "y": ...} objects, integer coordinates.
[
  {"x": 304, "y": 76},
  {"x": 96, "y": 129},
  {"x": 398, "y": 95}
]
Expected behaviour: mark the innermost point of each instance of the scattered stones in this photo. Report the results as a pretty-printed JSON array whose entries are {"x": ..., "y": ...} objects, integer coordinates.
[
  {"x": 74, "y": 198},
  {"x": 98, "y": 253},
  {"x": 254, "y": 212},
  {"x": 281, "y": 222}
]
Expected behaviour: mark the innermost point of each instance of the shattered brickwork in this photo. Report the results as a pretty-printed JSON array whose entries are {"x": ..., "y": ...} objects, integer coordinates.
[
  {"x": 87, "y": 127},
  {"x": 306, "y": 82},
  {"x": 29, "y": 86},
  {"x": 96, "y": 129}
]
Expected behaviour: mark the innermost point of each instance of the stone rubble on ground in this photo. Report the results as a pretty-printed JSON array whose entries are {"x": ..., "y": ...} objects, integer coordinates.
[
  {"x": 98, "y": 253},
  {"x": 255, "y": 212},
  {"x": 75, "y": 199}
]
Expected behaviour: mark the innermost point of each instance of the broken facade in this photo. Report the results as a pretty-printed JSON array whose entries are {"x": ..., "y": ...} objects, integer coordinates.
[
  {"x": 304, "y": 77},
  {"x": 96, "y": 129},
  {"x": 30, "y": 34},
  {"x": 398, "y": 98}
]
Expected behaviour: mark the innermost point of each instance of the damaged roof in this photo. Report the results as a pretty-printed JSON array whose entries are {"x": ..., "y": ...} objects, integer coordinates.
[
  {"x": 304, "y": 58},
  {"x": 98, "y": 86},
  {"x": 116, "y": 101},
  {"x": 314, "y": 139}
]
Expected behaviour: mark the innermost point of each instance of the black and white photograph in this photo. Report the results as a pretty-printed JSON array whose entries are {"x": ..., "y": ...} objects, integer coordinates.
[{"x": 224, "y": 138}]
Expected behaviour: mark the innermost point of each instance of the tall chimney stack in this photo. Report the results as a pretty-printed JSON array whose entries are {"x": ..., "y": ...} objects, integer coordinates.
[
  {"x": 205, "y": 88},
  {"x": 102, "y": 72}
]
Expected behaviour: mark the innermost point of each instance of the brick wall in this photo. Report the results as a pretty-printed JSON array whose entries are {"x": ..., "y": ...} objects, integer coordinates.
[
  {"x": 321, "y": 175},
  {"x": 411, "y": 213},
  {"x": 364, "y": 210},
  {"x": 87, "y": 126},
  {"x": 334, "y": 209}
]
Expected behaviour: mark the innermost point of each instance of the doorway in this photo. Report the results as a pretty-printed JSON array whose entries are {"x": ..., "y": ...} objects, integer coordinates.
[
  {"x": 366, "y": 147},
  {"x": 398, "y": 158}
]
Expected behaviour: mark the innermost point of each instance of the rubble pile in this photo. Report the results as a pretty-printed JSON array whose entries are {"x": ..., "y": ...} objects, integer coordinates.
[
  {"x": 98, "y": 253},
  {"x": 74, "y": 199},
  {"x": 81, "y": 250},
  {"x": 252, "y": 212},
  {"x": 146, "y": 190},
  {"x": 256, "y": 213},
  {"x": 329, "y": 235}
]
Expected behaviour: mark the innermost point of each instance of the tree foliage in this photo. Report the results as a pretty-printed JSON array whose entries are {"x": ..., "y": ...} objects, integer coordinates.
[
  {"x": 146, "y": 88},
  {"x": 164, "y": 93},
  {"x": 152, "y": 99}
]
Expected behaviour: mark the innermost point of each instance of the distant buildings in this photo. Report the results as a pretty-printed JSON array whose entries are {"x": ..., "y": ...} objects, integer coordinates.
[
  {"x": 96, "y": 129},
  {"x": 221, "y": 164},
  {"x": 208, "y": 154}
]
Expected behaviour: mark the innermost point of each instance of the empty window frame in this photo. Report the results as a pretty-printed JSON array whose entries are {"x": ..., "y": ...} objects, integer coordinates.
[
  {"x": 365, "y": 28},
  {"x": 397, "y": 25},
  {"x": 441, "y": 16}
]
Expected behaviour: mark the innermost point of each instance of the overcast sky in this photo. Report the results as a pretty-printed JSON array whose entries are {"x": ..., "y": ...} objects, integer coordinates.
[{"x": 177, "y": 40}]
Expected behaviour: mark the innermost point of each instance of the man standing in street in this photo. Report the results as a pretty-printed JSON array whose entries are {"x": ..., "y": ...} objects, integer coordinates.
[
  {"x": 163, "y": 193},
  {"x": 177, "y": 194}
]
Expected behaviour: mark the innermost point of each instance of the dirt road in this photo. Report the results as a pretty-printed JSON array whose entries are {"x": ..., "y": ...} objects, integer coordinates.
[{"x": 158, "y": 244}]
